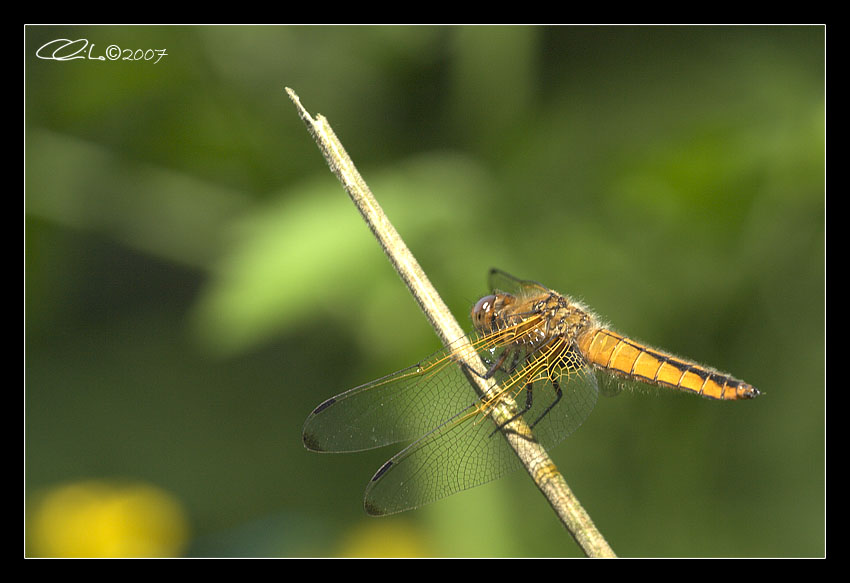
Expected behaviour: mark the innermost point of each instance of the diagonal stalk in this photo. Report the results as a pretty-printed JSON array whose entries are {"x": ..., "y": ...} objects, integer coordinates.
[{"x": 532, "y": 455}]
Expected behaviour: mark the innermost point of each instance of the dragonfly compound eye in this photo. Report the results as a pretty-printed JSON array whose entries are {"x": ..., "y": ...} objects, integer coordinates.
[{"x": 482, "y": 312}]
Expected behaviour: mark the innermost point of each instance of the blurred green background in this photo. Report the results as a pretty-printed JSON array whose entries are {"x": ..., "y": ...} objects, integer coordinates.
[{"x": 196, "y": 280}]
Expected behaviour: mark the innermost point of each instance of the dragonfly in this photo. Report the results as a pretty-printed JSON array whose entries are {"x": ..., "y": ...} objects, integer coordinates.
[{"x": 548, "y": 355}]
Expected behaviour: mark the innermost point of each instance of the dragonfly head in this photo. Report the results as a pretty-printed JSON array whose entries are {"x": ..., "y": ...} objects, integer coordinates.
[{"x": 487, "y": 311}]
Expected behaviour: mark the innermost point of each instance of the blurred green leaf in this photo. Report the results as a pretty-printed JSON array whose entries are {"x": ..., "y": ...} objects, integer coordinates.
[{"x": 306, "y": 253}]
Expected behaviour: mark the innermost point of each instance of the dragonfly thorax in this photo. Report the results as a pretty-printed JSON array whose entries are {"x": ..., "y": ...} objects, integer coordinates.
[{"x": 519, "y": 320}]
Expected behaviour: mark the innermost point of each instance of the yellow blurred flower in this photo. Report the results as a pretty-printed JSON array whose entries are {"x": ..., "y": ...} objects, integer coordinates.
[
  {"x": 385, "y": 538},
  {"x": 105, "y": 519}
]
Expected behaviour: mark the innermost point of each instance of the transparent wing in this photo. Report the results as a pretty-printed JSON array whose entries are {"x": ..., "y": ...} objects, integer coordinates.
[
  {"x": 468, "y": 449},
  {"x": 464, "y": 452},
  {"x": 399, "y": 407},
  {"x": 455, "y": 445},
  {"x": 499, "y": 280}
]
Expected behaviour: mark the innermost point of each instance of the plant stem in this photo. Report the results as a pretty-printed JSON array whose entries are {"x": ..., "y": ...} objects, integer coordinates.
[{"x": 533, "y": 456}]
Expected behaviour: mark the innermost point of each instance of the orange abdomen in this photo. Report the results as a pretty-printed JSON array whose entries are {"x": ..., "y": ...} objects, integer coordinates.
[{"x": 627, "y": 358}]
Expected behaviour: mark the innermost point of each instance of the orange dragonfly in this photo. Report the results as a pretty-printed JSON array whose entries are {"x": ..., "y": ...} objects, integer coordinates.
[{"x": 545, "y": 351}]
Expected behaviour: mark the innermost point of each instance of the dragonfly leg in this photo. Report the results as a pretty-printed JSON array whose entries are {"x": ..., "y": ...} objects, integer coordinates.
[
  {"x": 497, "y": 365},
  {"x": 558, "y": 394}
]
